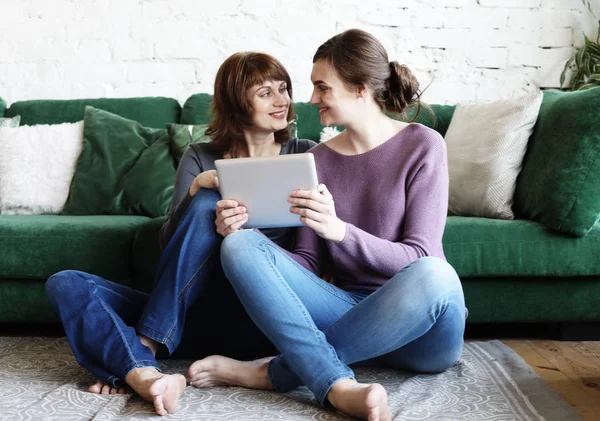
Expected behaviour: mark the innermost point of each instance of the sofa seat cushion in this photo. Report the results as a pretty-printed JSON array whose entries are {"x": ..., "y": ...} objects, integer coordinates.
[
  {"x": 481, "y": 247},
  {"x": 25, "y": 301},
  {"x": 37, "y": 246}
]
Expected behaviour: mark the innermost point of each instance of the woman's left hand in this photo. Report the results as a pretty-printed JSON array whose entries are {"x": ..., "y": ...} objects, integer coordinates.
[{"x": 317, "y": 211}]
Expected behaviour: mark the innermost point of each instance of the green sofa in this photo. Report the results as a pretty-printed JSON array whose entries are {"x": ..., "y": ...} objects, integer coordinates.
[{"x": 512, "y": 271}]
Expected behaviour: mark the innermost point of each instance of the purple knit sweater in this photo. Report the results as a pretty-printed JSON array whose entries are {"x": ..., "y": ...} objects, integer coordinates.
[{"x": 394, "y": 200}]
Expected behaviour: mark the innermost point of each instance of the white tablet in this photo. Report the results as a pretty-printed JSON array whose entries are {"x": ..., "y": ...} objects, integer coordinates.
[{"x": 263, "y": 185}]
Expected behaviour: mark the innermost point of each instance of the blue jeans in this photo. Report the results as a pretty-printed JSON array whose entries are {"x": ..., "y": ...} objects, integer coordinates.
[
  {"x": 192, "y": 310},
  {"x": 414, "y": 322}
]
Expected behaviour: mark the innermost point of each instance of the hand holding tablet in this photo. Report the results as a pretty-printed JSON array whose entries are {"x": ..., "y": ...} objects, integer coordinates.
[{"x": 263, "y": 185}]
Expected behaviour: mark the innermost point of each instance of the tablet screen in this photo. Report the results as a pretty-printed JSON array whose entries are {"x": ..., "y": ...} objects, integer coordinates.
[{"x": 263, "y": 185}]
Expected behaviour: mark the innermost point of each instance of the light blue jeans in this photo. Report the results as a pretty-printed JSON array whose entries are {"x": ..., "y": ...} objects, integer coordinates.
[{"x": 414, "y": 322}]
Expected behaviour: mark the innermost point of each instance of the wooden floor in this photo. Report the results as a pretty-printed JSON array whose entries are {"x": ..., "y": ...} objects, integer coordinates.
[{"x": 572, "y": 368}]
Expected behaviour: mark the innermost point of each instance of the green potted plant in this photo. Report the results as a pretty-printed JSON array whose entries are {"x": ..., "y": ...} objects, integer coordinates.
[{"x": 585, "y": 63}]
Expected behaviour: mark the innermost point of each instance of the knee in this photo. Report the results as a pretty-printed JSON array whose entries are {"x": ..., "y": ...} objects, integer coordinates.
[
  {"x": 64, "y": 283},
  {"x": 204, "y": 201},
  {"x": 435, "y": 268},
  {"x": 433, "y": 275},
  {"x": 238, "y": 241},
  {"x": 237, "y": 245}
]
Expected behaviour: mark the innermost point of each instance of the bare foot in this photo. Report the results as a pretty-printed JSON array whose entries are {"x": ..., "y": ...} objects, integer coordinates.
[
  {"x": 166, "y": 392},
  {"x": 366, "y": 401},
  {"x": 103, "y": 389},
  {"x": 163, "y": 390},
  {"x": 217, "y": 370}
]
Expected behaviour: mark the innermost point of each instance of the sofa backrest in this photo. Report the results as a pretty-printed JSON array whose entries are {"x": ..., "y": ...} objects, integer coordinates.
[
  {"x": 433, "y": 116},
  {"x": 196, "y": 111},
  {"x": 558, "y": 184},
  {"x": 155, "y": 112}
]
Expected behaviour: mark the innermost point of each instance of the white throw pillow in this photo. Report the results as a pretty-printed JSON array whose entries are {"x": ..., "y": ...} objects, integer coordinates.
[
  {"x": 486, "y": 145},
  {"x": 10, "y": 121},
  {"x": 37, "y": 164},
  {"x": 328, "y": 133}
]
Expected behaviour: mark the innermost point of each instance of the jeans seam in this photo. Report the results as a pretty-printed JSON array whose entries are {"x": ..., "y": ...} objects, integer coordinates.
[
  {"x": 156, "y": 336},
  {"x": 120, "y": 333},
  {"x": 194, "y": 277},
  {"x": 322, "y": 284},
  {"x": 138, "y": 364},
  {"x": 321, "y": 338},
  {"x": 307, "y": 317},
  {"x": 169, "y": 336},
  {"x": 271, "y": 376}
]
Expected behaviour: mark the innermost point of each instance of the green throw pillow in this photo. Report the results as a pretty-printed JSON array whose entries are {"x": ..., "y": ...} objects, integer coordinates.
[
  {"x": 559, "y": 184},
  {"x": 124, "y": 168},
  {"x": 196, "y": 109},
  {"x": 181, "y": 136}
]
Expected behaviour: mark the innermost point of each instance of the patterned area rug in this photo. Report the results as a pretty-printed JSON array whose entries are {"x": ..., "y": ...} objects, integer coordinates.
[{"x": 40, "y": 380}]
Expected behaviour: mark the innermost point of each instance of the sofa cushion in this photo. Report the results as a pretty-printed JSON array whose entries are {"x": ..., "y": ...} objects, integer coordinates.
[
  {"x": 196, "y": 109},
  {"x": 150, "y": 111},
  {"x": 558, "y": 185},
  {"x": 183, "y": 135},
  {"x": 481, "y": 247},
  {"x": 124, "y": 168},
  {"x": 11, "y": 122},
  {"x": 434, "y": 116},
  {"x": 486, "y": 144},
  {"x": 37, "y": 246},
  {"x": 37, "y": 164},
  {"x": 308, "y": 121}
]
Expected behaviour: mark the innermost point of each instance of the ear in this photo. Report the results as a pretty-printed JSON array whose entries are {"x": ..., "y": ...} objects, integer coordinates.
[{"x": 361, "y": 91}]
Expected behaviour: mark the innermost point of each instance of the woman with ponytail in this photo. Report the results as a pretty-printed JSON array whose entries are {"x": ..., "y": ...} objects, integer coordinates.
[{"x": 374, "y": 226}]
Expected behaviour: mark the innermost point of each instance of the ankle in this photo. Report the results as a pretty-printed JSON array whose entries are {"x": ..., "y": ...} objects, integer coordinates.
[
  {"x": 338, "y": 389},
  {"x": 140, "y": 376},
  {"x": 150, "y": 343}
]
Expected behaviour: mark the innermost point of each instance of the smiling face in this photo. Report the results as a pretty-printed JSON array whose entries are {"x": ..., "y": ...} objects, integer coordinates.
[
  {"x": 270, "y": 102},
  {"x": 337, "y": 101}
]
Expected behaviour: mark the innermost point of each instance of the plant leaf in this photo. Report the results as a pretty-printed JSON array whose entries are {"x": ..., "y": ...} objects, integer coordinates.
[
  {"x": 577, "y": 80},
  {"x": 587, "y": 64},
  {"x": 595, "y": 78},
  {"x": 579, "y": 57},
  {"x": 593, "y": 49},
  {"x": 564, "y": 72},
  {"x": 588, "y": 86}
]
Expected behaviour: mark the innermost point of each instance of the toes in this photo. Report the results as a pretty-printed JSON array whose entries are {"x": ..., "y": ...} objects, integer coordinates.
[
  {"x": 105, "y": 390},
  {"x": 158, "y": 405},
  {"x": 202, "y": 383},
  {"x": 199, "y": 377},
  {"x": 195, "y": 369},
  {"x": 96, "y": 387},
  {"x": 374, "y": 414}
]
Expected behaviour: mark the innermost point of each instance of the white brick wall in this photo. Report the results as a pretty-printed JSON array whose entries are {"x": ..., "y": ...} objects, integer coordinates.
[{"x": 464, "y": 50}]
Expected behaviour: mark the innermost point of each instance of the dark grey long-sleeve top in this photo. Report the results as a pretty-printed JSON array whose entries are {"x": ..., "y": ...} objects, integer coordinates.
[{"x": 201, "y": 157}]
